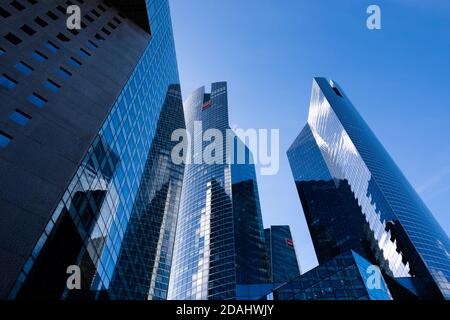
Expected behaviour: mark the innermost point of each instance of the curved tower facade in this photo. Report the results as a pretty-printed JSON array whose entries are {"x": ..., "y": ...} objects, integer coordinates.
[
  {"x": 220, "y": 237},
  {"x": 355, "y": 197}
]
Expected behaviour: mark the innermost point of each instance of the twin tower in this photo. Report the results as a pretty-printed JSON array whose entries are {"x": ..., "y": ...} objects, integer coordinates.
[{"x": 88, "y": 184}]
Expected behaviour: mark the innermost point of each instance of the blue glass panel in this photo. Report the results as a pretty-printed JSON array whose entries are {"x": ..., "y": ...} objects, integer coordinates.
[
  {"x": 24, "y": 68},
  {"x": 74, "y": 62},
  {"x": 51, "y": 46},
  {"x": 7, "y": 82},
  {"x": 84, "y": 53},
  {"x": 39, "y": 56},
  {"x": 4, "y": 139},
  {"x": 91, "y": 45},
  {"x": 37, "y": 100},
  {"x": 19, "y": 118},
  {"x": 63, "y": 73},
  {"x": 52, "y": 86}
]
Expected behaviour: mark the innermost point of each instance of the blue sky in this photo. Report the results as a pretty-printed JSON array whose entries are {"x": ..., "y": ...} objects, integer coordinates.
[{"x": 269, "y": 51}]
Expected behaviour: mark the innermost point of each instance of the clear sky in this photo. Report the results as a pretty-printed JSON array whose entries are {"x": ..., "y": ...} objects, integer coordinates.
[{"x": 269, "y": 51}]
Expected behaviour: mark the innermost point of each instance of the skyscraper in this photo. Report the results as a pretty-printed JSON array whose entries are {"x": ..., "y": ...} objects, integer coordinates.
[
  {"x": 283, "y": 263},
  {"x": 220, "y": 236},
  {"x": 143, "y": 266},
  {"x": 344, "y": 277},
  {"x": 85, "y": 176},
  {"x": 355, "y": 197}
]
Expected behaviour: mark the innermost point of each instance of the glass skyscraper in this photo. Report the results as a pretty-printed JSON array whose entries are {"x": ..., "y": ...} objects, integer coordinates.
[
  {"x": 355, "y": 197},
  {"x": 220, "y": 236},
  {"x": 283, "y": 263},
  {"x": 344, "y": 277},
  {"x": 85, "y": 149}
]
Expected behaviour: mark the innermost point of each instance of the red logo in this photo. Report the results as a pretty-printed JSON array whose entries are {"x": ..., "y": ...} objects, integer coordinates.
[
  {"x": 290, "y": 243},
  {"x": 206, "y": 105}
]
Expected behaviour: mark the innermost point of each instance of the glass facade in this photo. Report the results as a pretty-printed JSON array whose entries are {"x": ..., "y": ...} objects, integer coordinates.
[
  {"x": 283, "y": 263},
  {"x": 220, "y": 237},
  {"x": 116, "y": 219},
  {"x": 143, "y": 266},
  {"x": 343, "y": 278},
  {"x": 354, "y": 196}
]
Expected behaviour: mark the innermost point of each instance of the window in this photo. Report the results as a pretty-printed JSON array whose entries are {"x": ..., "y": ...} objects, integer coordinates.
[
  {"x": 83, "y": 25},
  {"x": 73, "y": 31},
  {"x": 101, "y": 8},
  {"x": 337, "y": 91},
  {"x": 24, "y": 68},
  {"x": 62, "y": 37},
  {"x": 51, "y": 46},
  {"x": 7, "y": 82},
  {"x": 20, "y": 117},
  {"x": 117, "y": 20},
  {"x": 84, "y": 53},
  {"x": 92, "y": 45},
  {"x": 38, "y": 100},
  {"x": 4, "y": 139},
  {"x": 39, "y": 56},
  {"x": 106, "y": 31},
  {"x": 13, "y": 38},
  {"x": 41, "y": 22},
  {"x": 2, "y": 52},
  {"x": 4, "y": 13},
  {"x": 112, "y": 25},
  {"x": 88, "y": 18},
  {"x": 52, "y": 15},
  {"x": 17, "y": 5},
  {"x": 99, "y": 37},
  {"x": 74, "y": 62},
  {"x": 69, "y": 3},
  {"x": 52, "y": 85},
  {"x": 63, "y": 73},
  {"x": 95, "y": 13},
  {"x": 27, "y": 29},
  {"x": 61, "y": 9}
]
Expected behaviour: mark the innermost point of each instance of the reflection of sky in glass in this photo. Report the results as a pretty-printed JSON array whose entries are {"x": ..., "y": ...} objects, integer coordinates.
[
  {"x": 344, "y": 163},
  {"x": 352, "y": 152},
  {"x": 116, "y": 159}
]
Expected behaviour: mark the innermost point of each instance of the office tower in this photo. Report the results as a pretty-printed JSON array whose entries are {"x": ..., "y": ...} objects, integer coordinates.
[
  {"x": 283, "y": 263},
  {"x": 344, "y": 277},
  {"x": 220, "y": 237},
  {"x": 150, "y": 234},
  {"x": 78, "y": 157},
  {"x": 355, "y": 197}
]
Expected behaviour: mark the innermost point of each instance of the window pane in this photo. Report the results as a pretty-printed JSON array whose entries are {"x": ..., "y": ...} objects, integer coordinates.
[
  {"x": 20, "y": 117},
  {"x": 63, "y": 73},
  {"x": 24, "y": 68},
  {"x": 37, "y": 100},
  {"x": 7, "y": 82},
  {"x": 4, "y": 139}
]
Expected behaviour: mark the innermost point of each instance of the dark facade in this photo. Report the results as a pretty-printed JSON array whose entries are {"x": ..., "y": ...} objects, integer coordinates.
[
  {"x": 80, "y": 143},
  {"x": 344, "y": 277},
  {"x": 283, "y": 263},
  {"x": 355, "y": 197},
  {"x": 220, "y": 235}
]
